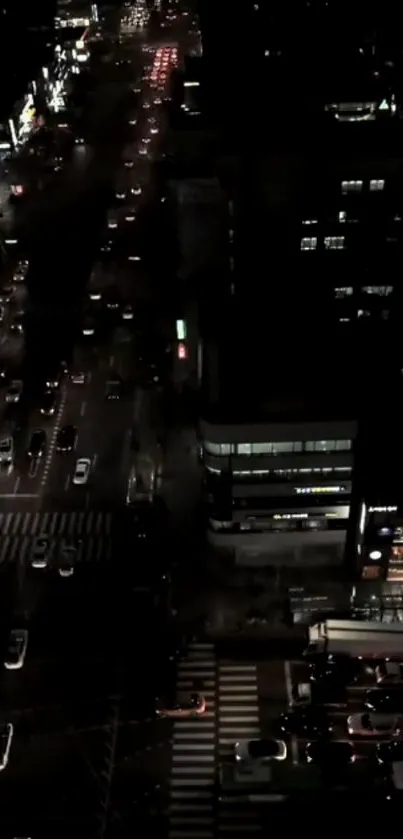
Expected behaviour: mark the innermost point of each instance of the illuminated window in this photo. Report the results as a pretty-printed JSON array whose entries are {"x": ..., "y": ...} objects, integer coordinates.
[
  {"x": 309, "y": 243},
  {"x": 376, "y": 185},
  {"x": 283, "y": 448},
  {"x": 218, "y": 449},
  {"x": 363, "y": 313},
  {"x": 334, "y": 243},
  {"x": 249, "y": 449},
  {"x": 244, "y": 448},
  {"x": 310, "y": 221},
  {"x": 379, "y": 290},
  {"x": 344, "y": 291},
  {"x": 342, "y": 216},
  {"x": 351, "y": 186},
  {"x": 261, "y": 448},
  {"x": 327, "y": 445}
]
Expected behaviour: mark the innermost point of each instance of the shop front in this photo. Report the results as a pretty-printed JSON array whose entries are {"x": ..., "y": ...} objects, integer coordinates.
[{"x": 380, "y": 542}]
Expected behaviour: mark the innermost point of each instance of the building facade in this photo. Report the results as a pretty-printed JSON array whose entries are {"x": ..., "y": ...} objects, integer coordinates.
[{"x": 279, "y": 493}]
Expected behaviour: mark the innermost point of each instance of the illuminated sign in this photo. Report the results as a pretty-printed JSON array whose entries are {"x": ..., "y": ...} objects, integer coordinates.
[
  {"x": 318, "y": 490},
  {"x": 13, "y": 133},
  {"x": 181, "y": 330},
  {"x": 286, "y": 516},
  {"x": 382, "y": 510}
]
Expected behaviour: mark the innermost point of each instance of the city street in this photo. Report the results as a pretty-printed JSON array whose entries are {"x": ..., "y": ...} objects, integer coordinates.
[{"x": 82, "y": 706}]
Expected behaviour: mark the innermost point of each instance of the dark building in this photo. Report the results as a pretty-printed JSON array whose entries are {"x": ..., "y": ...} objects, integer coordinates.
[{"x": 26, "y": 44}]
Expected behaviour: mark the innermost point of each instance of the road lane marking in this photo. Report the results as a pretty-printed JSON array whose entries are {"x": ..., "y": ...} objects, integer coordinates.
[
  {"x": 83, "y": 408},
  {"x": 288, "y": 689},
  {"x": 52, "y": 445},
  {"x": 10, "y": 496},
  {"x": 67, "y": 483},
  {"x": 16, "y": 485}
]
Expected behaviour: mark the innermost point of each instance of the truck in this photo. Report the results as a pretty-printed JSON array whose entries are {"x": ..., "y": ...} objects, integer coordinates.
[{"x": 361, "y": 639}]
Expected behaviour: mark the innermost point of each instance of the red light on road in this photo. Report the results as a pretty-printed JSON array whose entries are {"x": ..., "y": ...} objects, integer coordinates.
[{"x": 182, "y": 352}]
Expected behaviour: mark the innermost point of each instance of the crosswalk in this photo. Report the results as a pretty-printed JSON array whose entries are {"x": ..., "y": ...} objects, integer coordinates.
[
  {"x": 196, "y": 811},
  {"x": 238, "y": 719},
  {"x": 72, "y": 523},
  {"x": 93, "y": 529},
  {"x": 192, "y": 799}
]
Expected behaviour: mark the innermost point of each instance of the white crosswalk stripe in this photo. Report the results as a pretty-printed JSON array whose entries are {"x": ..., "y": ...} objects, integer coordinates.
[
  {"x": 238, "y": 718},
  {"x": 192, "y": 800},
  {"x": 93, "y": 529}
]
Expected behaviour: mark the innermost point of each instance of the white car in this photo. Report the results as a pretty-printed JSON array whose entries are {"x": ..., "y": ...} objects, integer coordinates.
[
  {"x": 16, "y": 649},
  {"x": 40, "y": 552},
  {"x": 78, "y": 378},
  {"x": 373, "y": 725},
  {"x": 260, "y": 750},
  {"x": 127, "y": 312},
  {"x": 112, "y": 220},
  {"x": 82, "y": 471},
  {"x": 129, "y": 214},
  {"x": 95, "y": 295},
  {"x": 88, "y": 328},
  {"x": 6, "y": 738},
  {"x": 6, "y": 450},
  {"x": 21, "y": 271},
  {"x": 137, "y": 189},
  {"x": 14, "y": 392}
]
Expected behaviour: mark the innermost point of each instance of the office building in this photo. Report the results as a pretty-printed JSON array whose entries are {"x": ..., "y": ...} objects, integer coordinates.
[
  {"x": 29, "y": 28},
  {"x": 278, "y": 433}
]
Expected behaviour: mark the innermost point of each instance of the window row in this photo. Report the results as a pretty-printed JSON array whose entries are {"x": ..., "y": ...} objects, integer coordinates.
[
  {"x": 332, "y": 243},
  {"x": 375, "y": 185},
  {"x": 374, "y": 290},
  {"x": 250, "y": 449},
  {"x": 274, "y": 475}
]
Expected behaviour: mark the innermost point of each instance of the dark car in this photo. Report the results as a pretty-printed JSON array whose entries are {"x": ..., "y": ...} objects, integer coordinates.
[
  {"x": 335, "y": 670},
  {"x": 37, "y": 444},
  {"x": 113, "y": 390},
  {"x": 389, "y": 752},
  {"x": 306, "y": 722},
  {"x": 66, "y": 439},
  {"x": 48, "y": 403},
  {"x": 331, "y": 756},
  {"x": 384, "y": 701}
]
